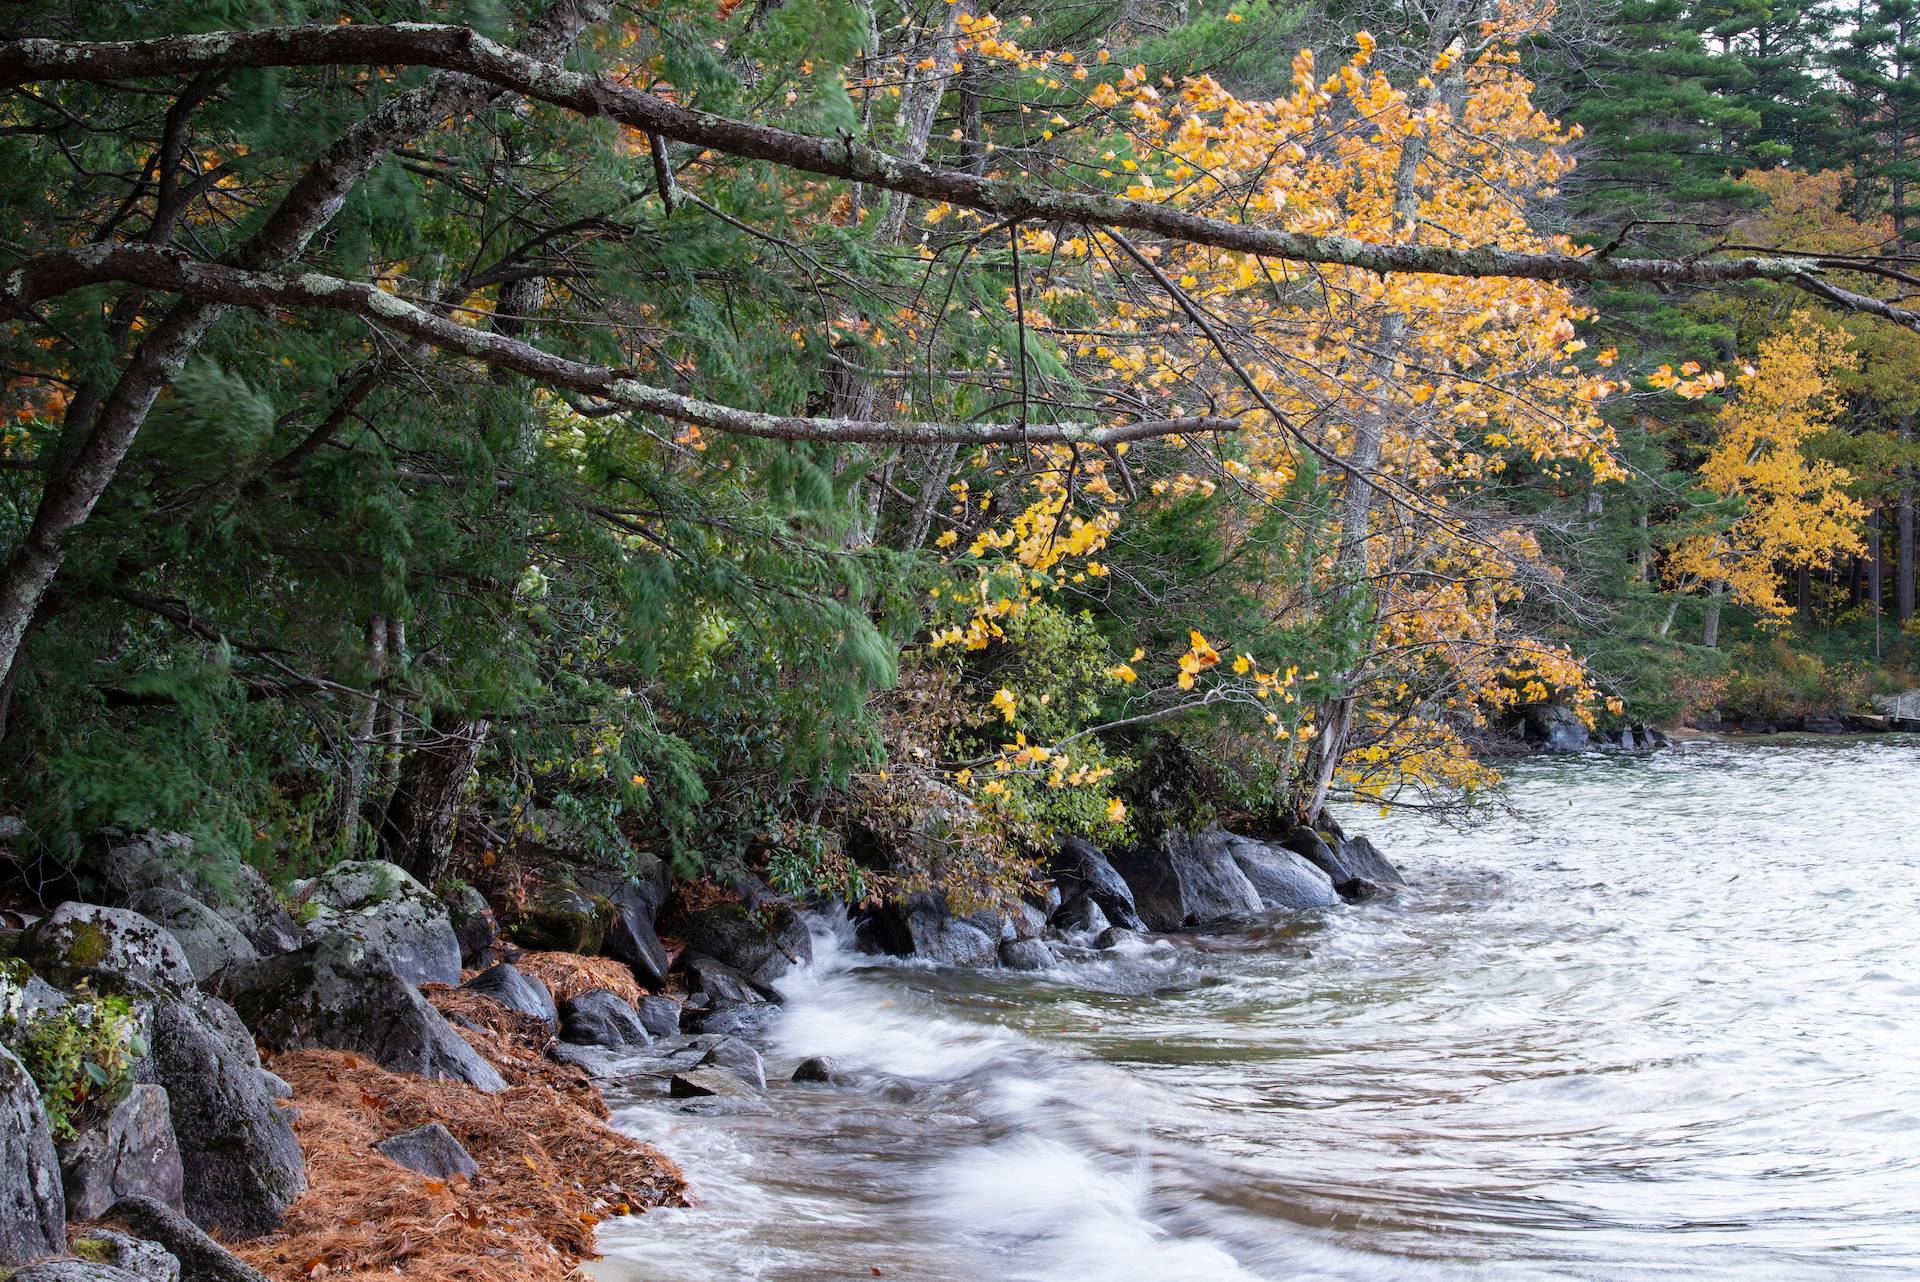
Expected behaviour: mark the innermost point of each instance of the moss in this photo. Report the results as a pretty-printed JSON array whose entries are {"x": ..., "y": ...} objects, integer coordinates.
[
  {"x": 96, "y": 1249},
  {"x": 87, "y": 946}
]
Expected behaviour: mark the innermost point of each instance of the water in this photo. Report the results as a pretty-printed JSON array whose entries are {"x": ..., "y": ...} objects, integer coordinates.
[{"x": 1659, "y": 1024}]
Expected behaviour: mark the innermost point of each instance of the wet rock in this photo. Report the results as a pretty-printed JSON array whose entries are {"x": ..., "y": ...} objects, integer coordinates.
[
  {"x": 1282, "y": 878},
  {"x": 209, "y": 940},
  {"x": 1114, "y": 936},
  {"x": 597, "y": 1061},
  {"x": 660, "y": 1016},
  {"x": 1356, "y": 867},
  {"x": 147, "y": 1261},
  {"x": 516, "y": 990},
  {"x": 432, "y": 1151},
  {"x": 1029, "y": 921},
  {"x": 697, "y": 1082},
  {"x": 33, "y": 1210},
  {"x": 341, "y": 993},
  {"x": 201, "y": 1258},
  {"x": 765, "y": 943},
  {"x": 726, "y": 1017},
  {"x": 474, "y": 926},
  {"x": 1188, "y": 879},
  {"x": 817, "y": 1069},
  {"x": 1025, "y": 954},
  {"x": 565, "y": 919},
  {"x": 1554, "y": 727},
  {"x": 242, "y": 1165},
  {"x": 723, "y": 983},
  {"x": 111, "y": 950},
  {"x": 634, "y": 902},
  {"x": 381, "y": 905},
  {"x": 1080, "y": 869},
  {"x": 132, "y": 1150},
  {"x": 599, "y": 1017},
  {"x": 1080, "y": 916},
  {"x": 737, "y": 1058},
  {"x": 922, "y": 927}
]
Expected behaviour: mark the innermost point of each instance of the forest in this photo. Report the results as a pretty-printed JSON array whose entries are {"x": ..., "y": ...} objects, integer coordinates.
[{"x": 607, "y": 476}]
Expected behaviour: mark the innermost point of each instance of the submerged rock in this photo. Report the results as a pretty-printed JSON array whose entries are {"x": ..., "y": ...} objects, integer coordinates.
[
  {"x": 381, "y": 905},
  {"x": 241, "y": 1163},
  {"x": 1188, "y": 879},
  {"x": 432, "y": 1151},
  {"x": 341, "y": 993},
  {"x": 737, "y": 1058},
  {"x": 132, "y": 1150},
  {"x": 33, "y": 1209},
  {"x": 696, "y": 1082}
]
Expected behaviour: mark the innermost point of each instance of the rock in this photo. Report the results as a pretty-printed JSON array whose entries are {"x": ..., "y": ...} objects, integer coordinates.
[
  {"x": 341, "y": 993},
  {"x": 1282, "y": 878},
  {"x": 209, "y": 940},
  {"x": 201, "y": 1258},
  {"x": 474, "y": 926},
  {"x": 696, "y": 1082},
  {"x": 1823, "y": 725},
  {"x": 242, "y": 1165},
  {"x": 660, "y": 1016},
  {"x": 147, "y": 1261},
  {"x": 236, "y": 892},
  {"x": 381, "y": 905},
  {"x": 33, "y": 1210},
  {"x": 722, "y": 982},
  {"x": 1114, "y": 936},
  {"x": 1025, "y": 954},
  {"x": 1188, "y": 879},
  {"x": 1898, "y": 707},
  {"x": 112, "y": 950},
  {"x": 1357, "y": 868},
  {"x": 737, "y": 1058},
  {"x": 1081, "y": 869},
  {"x": 634, "y": 901},
  {"x": 598, "y": 1017},
  {"x": 516, "y": 990},
  {"x": 1080, "y": 916},
  {"x": 73, "y": 1271},
  {"x": 817, "y": 1069},
  {"x": 24, "y": 995},
  {"x": 1554, "y": 727},
  {"x": 432, "y": 1151},
  {"x": 922, "y": 927},
  {"x": 565, "y": 919},
  {"x": 132, "y": 1150},
  {"x": 1029, "y": 921},
  {"x": 726, "y": 1017},
  {"x": 765, "y": 943},
  {"x": 595, "y": 1060}
]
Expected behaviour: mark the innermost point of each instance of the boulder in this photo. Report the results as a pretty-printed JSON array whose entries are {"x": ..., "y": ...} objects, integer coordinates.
[
  {"x": 1029, "y": 921},
  {"x": 1025, "y": 954},
  {"x": 125, "y": 865},
  {"x": 564, "y": 918},
  {"x": 1357, "y": 869},
  {"x": 817, "y": 1069},
  {"x": 201, "y": 1258},
  {"x": 381, "y": 905},
  {"x": 596, "y": 1061},
  {"x": 694, "y": 1083},
  {"x": 721, "y": 982},
  {"x": 242, "y": 1165},
  {"x": 516, "y": 990},
  {"x": 342, "y": 993},
  {"x": 1080, "y": 916},
  {"x": 474, "y": 926},
  {"x": 1188, "y": 879},
  {"x": 1114, "y": 936},
  {"x": 432, "y": 1151},
  {"x": 634, "y": 901},
  {"x": 922, "y": 927},
  {"x": 147, "y": 1261},
  {"x": 765, "y": 943},
  {"x": 726, "y": 1017},
  {"x": 737, "y": 1058},
  {"x": 209, "y": 940},
  {"x": 74, "y": 1271},
  {"x": 1554, "y": 727},
  {"x": 599, "y": 1017},
  {"x": 33, "y": 1210},
  {"x": 111, "y": 950},
  {"x": 660, "y": 1016},
  {"x": 1282, "y": 878},
  {"x": 132, "y": 1150},
  {"x": 1080, "y": 869}
]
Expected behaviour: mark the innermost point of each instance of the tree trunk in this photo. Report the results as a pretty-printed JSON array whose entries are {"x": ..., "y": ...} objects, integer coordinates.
[
  {"x": 417, "y": 832},
  {"x": 359, "y": 747},
  {"x": 1903, "y": 583},
  {"x": 1710, "y": 633},
  {"x": 1803, "y": 595}
]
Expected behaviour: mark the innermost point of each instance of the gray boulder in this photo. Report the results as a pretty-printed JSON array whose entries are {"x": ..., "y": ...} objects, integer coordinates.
[
  {"x": 381, "y": 905},
  {"x": 1079, "y": 868},
  {"x": 341, "y": 993},
  {"x": 1282, "y": 878},
  {"x": 723, "y": 983},
  {"x": 765, "y": 943},
  {"x": 132, "y": 1150},
  {"x": 201, "y": 1258},
  {"x": 1188, "y": 879},
  {"x": 725, "y": 1017},
  {"x": 1358, "y": 870},
  {"x": 147, "y": 1261},
  {"x": 111, "y": 950},
  {"x": 818, "y": 1069},
  {"x": 1080, "y": 916},
  {"x": 737, "y": 1058},
  {"x": 597, "y": 1061},
  {"x": 474, "y": 925},
  {"x": 695, "y": 1083},
  {"x": 633, "y": 907},
  {"x": 922, "y": 927},
  {"x": 33, "y": 1210},
  {"x": 564, "y": 918},
  {"x": 432, "y": 1151},
  {"x": 74, "y": 1271},
  {"x": 516, "y": 990},
  {"x": 209, "y": 940},
  {"x": 242, "y": 1165},
  {"x": 599, "y": 1017},
  {"x": 1554, "y": 727},
  {"x": 1026, "y": 954},
  {"x": 659, "y": 1015},
  {"x": 126, "y": 865}
]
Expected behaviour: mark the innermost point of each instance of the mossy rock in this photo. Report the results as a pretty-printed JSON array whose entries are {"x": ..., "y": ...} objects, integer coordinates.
[{"x": 564, "y": 918}]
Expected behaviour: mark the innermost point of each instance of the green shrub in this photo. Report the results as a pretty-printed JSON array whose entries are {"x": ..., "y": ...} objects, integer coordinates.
[{"x": 81, "y": 1056}]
